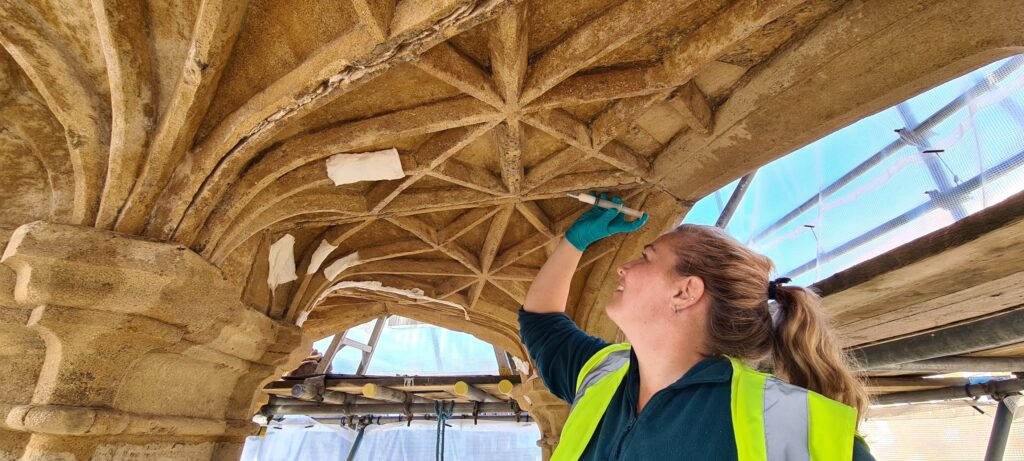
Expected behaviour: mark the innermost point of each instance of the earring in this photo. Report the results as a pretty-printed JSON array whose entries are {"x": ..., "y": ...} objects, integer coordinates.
[{"x": 675, "y": 309}]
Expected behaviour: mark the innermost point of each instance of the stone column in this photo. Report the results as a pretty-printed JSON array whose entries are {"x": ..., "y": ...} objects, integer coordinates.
[
  {"x": 547, "y": 410},
  {"x": 123, "y": 348},
  {"x": 21, "y": 357}
]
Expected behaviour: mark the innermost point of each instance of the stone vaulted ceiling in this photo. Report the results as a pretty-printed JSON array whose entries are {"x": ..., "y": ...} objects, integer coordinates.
[{"x": 208, "y": 123}]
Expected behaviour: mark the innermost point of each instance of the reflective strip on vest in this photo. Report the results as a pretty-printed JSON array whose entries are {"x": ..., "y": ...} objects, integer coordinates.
[
  {"x": 596, "y": 384},
  {"x": 772, "y": 420},
  {"x": 785, "y": 421},
  {"x": 613, "y": 362}
]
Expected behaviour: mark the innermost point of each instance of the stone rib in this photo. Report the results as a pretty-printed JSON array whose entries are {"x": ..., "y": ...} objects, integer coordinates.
[
  {"x": 130, "y": 75},
  {"x": 68, "y": 92},
  {"x": 615, "y": 120},
  {"x": 588, "y": 43},
  {"x": 213, "y": 39},
  {"x": 375, "y": 16},
  {"x": 737, "y": 22},
  {"x": 509, "y": 137},
  {"x": 448, "y": 65},
  {"x": 536, "y": 217},
  {"x": 338, "y": 68},
  {"x": 507, "y": 43},
  {"x": 317, "y": 146}
]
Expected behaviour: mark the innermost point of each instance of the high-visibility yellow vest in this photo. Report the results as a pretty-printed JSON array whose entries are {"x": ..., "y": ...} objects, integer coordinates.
[{"x": 806, "y": 425}]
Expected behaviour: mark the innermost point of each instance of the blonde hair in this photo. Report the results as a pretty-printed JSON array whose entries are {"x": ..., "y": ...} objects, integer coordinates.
[{"x": 801, "y": 349}]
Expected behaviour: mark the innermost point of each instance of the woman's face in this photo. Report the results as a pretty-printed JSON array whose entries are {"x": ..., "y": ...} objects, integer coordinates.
[{"x": 647, "y": 285}]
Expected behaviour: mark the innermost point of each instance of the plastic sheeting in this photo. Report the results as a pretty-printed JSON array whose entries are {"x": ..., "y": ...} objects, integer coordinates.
[
  {"x": 953, "y": 433},
  {"x": 415, "y": 349},
  {"x": 887, "y": 179},
  {"x": 301, "y": 438}
]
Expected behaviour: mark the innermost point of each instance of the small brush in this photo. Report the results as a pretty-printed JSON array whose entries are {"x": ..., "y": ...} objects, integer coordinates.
[{"x": 587, "y": 198}]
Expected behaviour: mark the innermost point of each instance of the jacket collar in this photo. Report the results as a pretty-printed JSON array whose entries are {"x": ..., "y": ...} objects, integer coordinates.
[{"x": 710, "y": 370}]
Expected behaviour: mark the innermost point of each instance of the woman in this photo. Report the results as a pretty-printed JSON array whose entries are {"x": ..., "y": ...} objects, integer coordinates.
[{"x": 695, "y": 310}]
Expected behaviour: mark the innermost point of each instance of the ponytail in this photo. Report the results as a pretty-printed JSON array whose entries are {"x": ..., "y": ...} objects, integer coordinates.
[
  {"x": 801, "y": 346},
  {"x": 805, "y": 351}
]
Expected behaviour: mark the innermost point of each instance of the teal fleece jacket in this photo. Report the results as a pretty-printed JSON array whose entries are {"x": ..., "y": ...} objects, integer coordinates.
[{"x": 689, "y": 420}]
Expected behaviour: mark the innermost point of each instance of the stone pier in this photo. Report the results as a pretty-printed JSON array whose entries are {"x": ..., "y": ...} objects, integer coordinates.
[{"x": 113, "y": 347}]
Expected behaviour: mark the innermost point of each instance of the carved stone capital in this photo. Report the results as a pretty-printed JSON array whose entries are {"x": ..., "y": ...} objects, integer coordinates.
[
  {"x": 105, "y": 271},
  {"x": 120, "y": 343}
]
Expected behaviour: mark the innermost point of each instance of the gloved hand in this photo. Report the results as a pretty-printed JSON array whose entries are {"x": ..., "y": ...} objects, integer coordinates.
[{"x": 598, "y": 223}]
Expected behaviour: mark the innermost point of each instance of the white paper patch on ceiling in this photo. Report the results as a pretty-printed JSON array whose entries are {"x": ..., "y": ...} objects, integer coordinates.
[
  {"x": 321, "y": 253},
  {"x": 368, "y": 166},
  {"x": 521, "y": 366},
  {"x": 301, "y": 318},
  {"x": 282, "y": 262},
  {"x": 337, "y": 267},
  {"x": 372, "y": 285}
]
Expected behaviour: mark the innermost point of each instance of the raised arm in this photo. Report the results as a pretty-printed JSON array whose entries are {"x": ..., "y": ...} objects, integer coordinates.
[
  {"x": 549, "y": 291},
  {"x": 554, "y": 342}
]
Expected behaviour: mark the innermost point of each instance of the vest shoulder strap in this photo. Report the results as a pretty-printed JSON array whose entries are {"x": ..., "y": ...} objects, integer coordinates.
[
  {"x": 596, "y": 359},
  {"x": 596, "y": 384},
  {"x": 775, "y": 420}
]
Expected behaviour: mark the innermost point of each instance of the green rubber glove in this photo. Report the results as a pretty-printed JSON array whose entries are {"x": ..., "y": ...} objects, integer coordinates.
[{"x": 598, "y": 223}]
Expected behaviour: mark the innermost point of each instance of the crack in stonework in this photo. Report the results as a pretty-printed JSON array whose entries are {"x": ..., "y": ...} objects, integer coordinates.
[
  {"x": 468, "y": 15},
  {"x": 377, "y": 65}
]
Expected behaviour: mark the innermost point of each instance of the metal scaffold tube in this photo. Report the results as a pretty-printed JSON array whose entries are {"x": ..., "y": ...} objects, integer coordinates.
[
  {"x": 1001, "y": 429},
  {"x": 1003, "y": 387},
  {"x": 278, "y": 409},
  {"x": 355, "y": 444},
  {"x": 996, "y": 331},
  {"x": 951, "y": 364},
  {"x": 936, "y": 201},
  {"x": 734, "y": 200},
  {"x": 931, "y": 122},
  {"x": 336, "y": 421}
]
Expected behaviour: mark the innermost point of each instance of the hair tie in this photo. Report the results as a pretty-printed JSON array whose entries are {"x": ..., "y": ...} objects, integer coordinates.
[{"x": 774, "y": 285}]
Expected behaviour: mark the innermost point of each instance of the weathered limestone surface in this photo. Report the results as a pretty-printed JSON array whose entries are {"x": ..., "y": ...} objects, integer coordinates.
[
  {"x": 121, "y": 347},
  {"x": 21, "y": 358},
  {"x": 549, "y": 412},
  {"x": 198, "y": 131}
]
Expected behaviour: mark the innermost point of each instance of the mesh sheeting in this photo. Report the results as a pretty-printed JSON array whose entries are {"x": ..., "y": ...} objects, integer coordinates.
[
  {"x": 887, "y": 179},
  {"x": 952, "y": 434},
  {"x": 300, "y": 438}
]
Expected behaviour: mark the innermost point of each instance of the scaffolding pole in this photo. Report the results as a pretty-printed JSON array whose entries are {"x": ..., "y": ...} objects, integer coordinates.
[
  {"x": 279, "y": 408},
  {"x": 951, "y": 364},
  {"x": 355, "y": 444},
  {"x": 996, "y": 331},
  {"x": 1000, "y": 430},
  {"x": 385, "y": 419},
  {"x": 931, "y": 122},
  {"x": 935, "y": 201},
  {"x": 994, "y": 388},
  {"x": 734, "y": 200}
]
